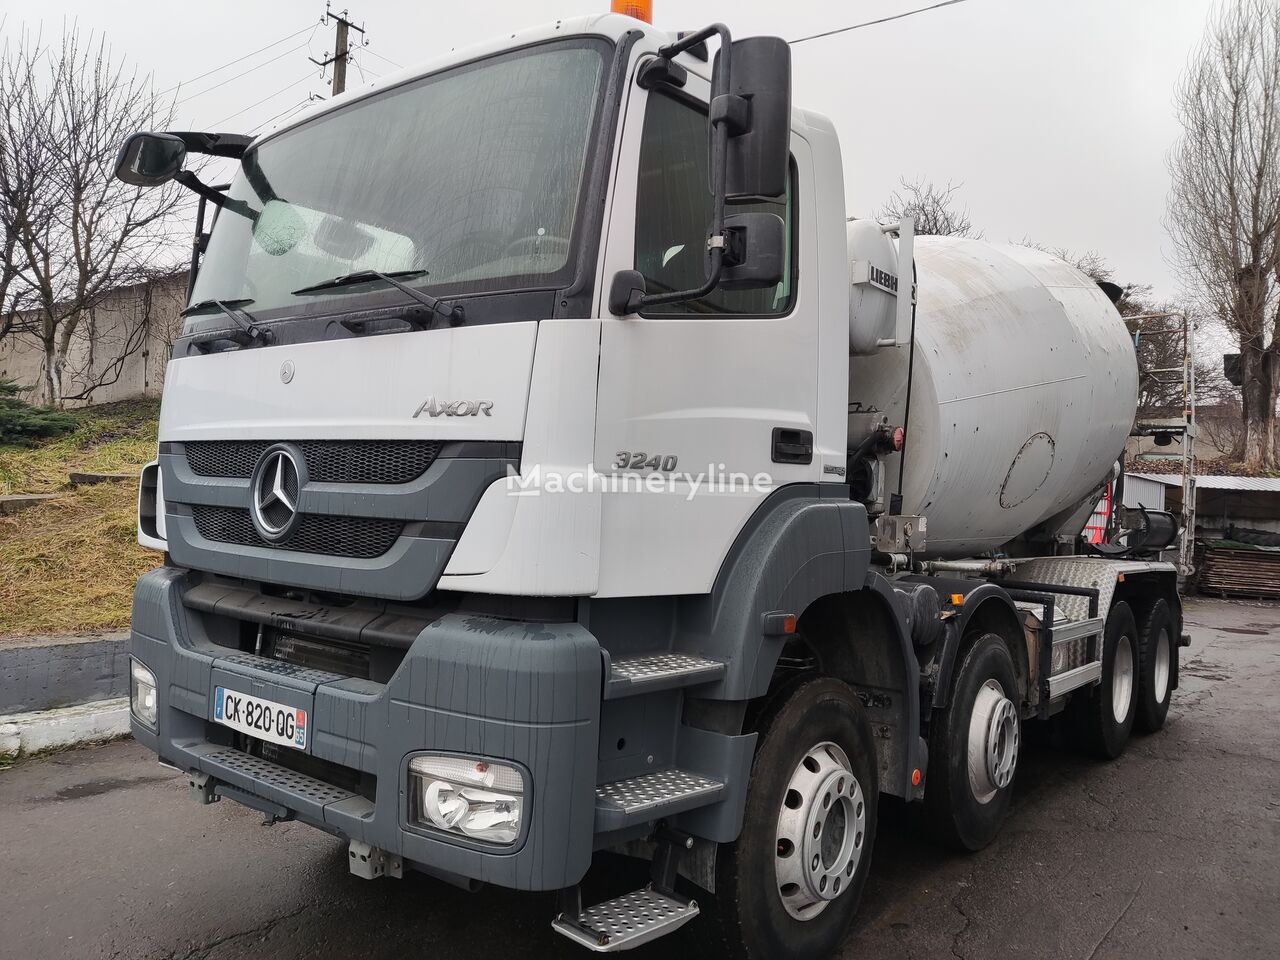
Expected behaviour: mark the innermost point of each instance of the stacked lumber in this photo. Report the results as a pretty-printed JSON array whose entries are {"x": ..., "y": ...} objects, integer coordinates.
[{"x": 1232, "y": 572}]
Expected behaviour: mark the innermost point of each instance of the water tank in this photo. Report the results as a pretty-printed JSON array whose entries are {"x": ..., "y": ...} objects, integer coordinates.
[{"x": 1025, "y": 386}]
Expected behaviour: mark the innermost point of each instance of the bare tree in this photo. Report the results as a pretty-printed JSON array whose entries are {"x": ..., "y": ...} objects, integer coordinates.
[
  {"x": 1160, "y": 355},
  {"x": 935, "y": 208},
  {"x": 1224, "y": 208},
  {"x": 1221, "y": 426},
  {"x": 73, "y": 233}
]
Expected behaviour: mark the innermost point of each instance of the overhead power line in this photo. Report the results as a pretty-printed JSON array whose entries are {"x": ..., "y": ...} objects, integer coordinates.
[
  {"x": 288, "y": 111},
  {"x": 244, "y": 73},
  {"x": 232, "y": 63},
  {"x": 872, "y": 23},
  {"x": 369, "y": 50},
  {"x": 258, "y": 103}
]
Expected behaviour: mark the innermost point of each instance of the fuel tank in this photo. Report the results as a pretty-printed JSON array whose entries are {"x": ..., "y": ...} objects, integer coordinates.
[{"x": 1024, "y": 390}]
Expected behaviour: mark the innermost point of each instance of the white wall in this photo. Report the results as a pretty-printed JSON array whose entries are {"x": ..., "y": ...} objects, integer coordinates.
[{"x": 146, "y": 313}]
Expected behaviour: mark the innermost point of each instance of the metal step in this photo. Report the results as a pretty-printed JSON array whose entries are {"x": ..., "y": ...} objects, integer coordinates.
[
  {"x": 646, "y": 672},
  {"x": 627, "y": 921},
  {"x": 651, "y": 796}
]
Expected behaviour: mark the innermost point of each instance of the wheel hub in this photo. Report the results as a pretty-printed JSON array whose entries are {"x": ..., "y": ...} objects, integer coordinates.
[
  {"x": 1161, "y": 677},
  {"x": 994, "y": 738},
  {"x": 1122, "y": 679},
  {"x": 821, "y": 832}
]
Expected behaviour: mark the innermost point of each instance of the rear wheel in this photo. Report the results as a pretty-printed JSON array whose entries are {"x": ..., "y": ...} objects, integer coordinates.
[
  {"x": 789, "y": 886},
  {"x": 1155, "y": 668},
  {"x": 1104, "y": 719},
  {"x": 973, "y": 748}
]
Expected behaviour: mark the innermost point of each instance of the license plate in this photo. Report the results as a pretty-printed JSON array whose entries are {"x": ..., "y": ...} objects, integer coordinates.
[{"x": 264, "y": 719}]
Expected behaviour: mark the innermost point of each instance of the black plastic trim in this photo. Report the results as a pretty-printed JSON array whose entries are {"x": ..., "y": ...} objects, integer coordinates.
[{"x": 577, "y": 299}]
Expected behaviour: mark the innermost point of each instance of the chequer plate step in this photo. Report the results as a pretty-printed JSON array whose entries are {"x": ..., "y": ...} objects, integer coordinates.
[
  {"x": 658, "y": 671},
  {"x": 626, "y": 921},
  {"x": 651, "y": 796}
]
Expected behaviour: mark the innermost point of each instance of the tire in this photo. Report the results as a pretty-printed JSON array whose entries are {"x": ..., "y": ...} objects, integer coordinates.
[
  {"x": 1157, "y": 656},
  {"x": 821, "y": 722},
  {"x": 1104, "y": 718},
  {"x": 973, "y": 748}
]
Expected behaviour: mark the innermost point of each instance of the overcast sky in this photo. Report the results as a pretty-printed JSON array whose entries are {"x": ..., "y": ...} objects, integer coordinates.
[{"x": 1056, "y": 115}]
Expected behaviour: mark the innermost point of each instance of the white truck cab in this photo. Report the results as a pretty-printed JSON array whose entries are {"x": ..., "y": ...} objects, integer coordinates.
[{"x": 517, "y": 503}]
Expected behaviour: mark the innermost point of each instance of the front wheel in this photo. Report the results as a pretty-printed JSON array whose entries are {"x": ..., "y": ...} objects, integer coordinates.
[{"x": 789, "y": 886}]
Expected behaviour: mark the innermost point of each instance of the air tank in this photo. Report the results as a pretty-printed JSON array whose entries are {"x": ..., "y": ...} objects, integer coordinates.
[{"x": 1024, "y": 390}]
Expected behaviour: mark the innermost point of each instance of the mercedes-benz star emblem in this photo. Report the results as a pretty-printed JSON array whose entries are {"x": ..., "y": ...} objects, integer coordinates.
[
  {"x": 277, "y": 482},
  {"x": 286, "y": 371}
]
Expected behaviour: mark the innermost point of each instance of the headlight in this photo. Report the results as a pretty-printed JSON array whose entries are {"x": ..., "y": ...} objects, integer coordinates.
[
  {"x": 142, "y": 693},
  {"x": 474, "y": 798}
]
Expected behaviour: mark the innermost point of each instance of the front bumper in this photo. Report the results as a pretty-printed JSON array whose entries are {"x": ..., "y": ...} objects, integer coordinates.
[{"x": 473, "y": 685}]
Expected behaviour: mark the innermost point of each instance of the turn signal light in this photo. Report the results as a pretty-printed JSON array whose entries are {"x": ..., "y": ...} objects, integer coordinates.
[{"x": 640, "y": 9}]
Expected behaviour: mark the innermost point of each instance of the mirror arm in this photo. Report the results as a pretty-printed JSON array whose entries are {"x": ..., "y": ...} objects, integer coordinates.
[
  {"x": 216, "y": 197},
  {"x": 690, "y": 40}
]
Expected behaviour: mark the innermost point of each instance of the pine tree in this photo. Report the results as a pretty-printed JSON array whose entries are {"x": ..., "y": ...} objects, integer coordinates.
[{"x": 21, "y": 422}]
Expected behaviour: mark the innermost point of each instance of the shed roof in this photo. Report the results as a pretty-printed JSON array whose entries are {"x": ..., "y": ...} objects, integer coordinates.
[{"x": 1213, "y": 482}]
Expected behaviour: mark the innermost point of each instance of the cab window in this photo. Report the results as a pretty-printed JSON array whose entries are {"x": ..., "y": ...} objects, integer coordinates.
[{"x": 673, "y": 212}]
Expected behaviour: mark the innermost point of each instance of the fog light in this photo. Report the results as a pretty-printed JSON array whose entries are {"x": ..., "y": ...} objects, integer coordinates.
[
  {"x": 474, "y": 798},
  {"x": 142, "y": 693}
]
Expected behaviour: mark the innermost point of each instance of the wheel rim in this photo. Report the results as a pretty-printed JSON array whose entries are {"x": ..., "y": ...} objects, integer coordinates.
[
  {"x": 1160, "y": 679},
  {"x": 1122, "y": 679},
  {"x": 822, "y": 831},
  {"x": 994, "y": 739}
]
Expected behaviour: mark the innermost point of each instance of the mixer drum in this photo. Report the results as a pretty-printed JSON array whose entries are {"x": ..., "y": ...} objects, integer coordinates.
[{"x": 1025, "y": 390}]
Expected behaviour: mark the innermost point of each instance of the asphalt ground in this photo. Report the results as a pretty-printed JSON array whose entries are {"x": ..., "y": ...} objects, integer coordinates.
[{"x": 1173, "y": 851}]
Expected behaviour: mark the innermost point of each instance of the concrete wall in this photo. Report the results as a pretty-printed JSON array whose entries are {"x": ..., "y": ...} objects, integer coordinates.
[
  {"x": 145, "y": 315},
  {"x": 46, "y": 672}
]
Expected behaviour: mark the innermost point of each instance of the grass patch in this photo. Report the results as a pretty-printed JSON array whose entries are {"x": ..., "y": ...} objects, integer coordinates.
[
  {"x": 70, "y": 564},
  {"x": 112, "y": 438}
]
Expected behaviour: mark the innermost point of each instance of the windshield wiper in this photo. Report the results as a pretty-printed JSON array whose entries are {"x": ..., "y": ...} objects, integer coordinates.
[
  {"x": 453, "y": 313},
  {"x": 249, "y": 331}
]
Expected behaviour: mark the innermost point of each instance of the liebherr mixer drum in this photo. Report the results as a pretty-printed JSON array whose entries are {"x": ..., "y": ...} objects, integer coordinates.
[{"x": 1025, "y": 386}]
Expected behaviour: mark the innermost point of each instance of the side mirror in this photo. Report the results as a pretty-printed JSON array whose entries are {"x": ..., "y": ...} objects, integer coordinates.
[
  {"x": 755, "y": 254},
  {"x": 757, "y": 108},
  {"x": 150, "y": 159}
]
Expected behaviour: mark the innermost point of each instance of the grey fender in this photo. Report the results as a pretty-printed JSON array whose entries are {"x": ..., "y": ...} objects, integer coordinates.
[
  {"x": 804, "y": 542},
  {"x": 861, "y": 637},
  {"x": 986, "y": 608},
  {"x": 806, "y": 551}
]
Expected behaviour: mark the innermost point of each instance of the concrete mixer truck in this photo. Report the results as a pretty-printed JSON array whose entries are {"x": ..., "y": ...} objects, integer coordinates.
[{"x": 547, "y": 467}]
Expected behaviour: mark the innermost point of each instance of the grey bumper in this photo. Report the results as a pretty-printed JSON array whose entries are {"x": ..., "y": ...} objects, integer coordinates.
[{"x": 528, "y": 693}]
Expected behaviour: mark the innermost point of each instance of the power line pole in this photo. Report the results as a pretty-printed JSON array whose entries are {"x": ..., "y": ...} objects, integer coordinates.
[{"x": 341, "y": 48}]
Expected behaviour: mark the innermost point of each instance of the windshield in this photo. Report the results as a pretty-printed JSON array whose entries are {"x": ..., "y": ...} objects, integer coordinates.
[{"x": 472, "y": 175}]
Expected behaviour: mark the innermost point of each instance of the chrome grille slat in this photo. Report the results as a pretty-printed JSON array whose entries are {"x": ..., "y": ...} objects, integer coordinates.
[{"x": 328, "y": 461}]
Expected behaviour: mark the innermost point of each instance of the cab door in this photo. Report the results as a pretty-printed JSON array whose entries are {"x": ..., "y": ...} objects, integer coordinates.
[{"x": 704, "y": 407}]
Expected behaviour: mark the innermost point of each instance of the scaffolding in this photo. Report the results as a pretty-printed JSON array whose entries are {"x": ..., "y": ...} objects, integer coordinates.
[{"x": 1179, "y": 429}]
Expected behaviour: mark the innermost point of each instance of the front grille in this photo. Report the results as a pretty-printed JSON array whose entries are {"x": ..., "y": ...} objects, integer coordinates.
[
  {"x": 327, "y": 654},
  {"x": 328, "y": 461},
  {"x": 356, "y": 537}
]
